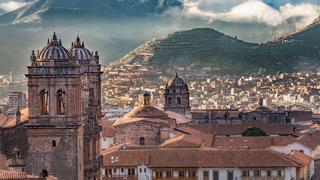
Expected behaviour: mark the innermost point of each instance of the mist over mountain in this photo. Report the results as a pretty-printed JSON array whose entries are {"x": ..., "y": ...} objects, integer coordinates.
[
  {"x": 46, "y": 11},
  {"x": 115, "y": 27}
]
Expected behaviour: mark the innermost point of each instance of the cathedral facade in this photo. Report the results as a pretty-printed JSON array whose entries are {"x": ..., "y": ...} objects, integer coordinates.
[{"x": 64, "y": 89}]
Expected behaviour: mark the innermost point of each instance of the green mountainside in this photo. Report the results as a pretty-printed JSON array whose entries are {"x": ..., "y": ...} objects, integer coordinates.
[{"x": 209, "y": 48}]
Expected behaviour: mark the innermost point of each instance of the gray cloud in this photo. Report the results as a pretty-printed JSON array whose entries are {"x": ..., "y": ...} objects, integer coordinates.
[
  {"x": 11, "y": 5},
  {"x": 253, "y": 11}
]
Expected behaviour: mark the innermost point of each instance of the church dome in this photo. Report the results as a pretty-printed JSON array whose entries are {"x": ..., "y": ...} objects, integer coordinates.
[
  {"x": 53, "y": 50},
  {"x": 146, "y": 111},
  {"x": 176, "y": 82},
  {"x": 78, "y": 50}
]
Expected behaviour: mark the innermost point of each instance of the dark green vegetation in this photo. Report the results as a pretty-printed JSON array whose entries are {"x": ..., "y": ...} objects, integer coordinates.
[{"x": 254, "y": 131}]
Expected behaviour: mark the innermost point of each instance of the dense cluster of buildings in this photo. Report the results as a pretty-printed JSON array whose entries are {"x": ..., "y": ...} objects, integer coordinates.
[
  {"x": 63, "y": 133},
  {"x": 299, "y": 91}
]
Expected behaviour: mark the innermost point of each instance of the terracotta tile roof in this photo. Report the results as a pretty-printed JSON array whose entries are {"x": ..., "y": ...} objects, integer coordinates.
[
  {"x": 238, "y": 129},
  {"x": 180, "y": 119},
  {"x": 206, "y": 157},
  {"x": 125, "y": 120},
  {"x": 186, "y": 158},
  {"x": 145, "y": 113},
  {"x": 11, "y": 122},
  {"x": 125, "y": 158},
  {"x": 244, "y": 158},
  {"x": 242, "y": 142},
  {"x": 3, "y": 163},
  {"x": 310, "y": 141},
  {"x": 3, "y": 119},
  {"x": 183, "y": 141},
  {"x": 261, "y": 142},
  {"x": 7, "y": 175},
  {"x": 301, "y": 158},
  {"x": 282, "y": 140}
]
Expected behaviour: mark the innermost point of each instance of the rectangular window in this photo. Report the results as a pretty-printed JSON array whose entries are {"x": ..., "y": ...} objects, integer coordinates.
[
  {"x": 215, "y": 175},
  {"x": 279, "y": 173},
  {"x": 245, "y": 173},
  {"x": 181, "y": 174},
  {"x": 193, "y": 174},
  {"x": 230, "y": 175},
  {"x": 114, "y": 170},
  {"x": 110, "y": 171},
  {"x": 122, "y": 170},
  {"x": 168, "y": 174},
  {"x": 256, "y": 173},
  {"x": 269, "y": 173},
  {"x": 145, "y": 170}
]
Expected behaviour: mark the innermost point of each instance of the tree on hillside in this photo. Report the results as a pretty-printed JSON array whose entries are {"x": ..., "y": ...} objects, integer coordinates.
[{"x": 254, "y": 131}]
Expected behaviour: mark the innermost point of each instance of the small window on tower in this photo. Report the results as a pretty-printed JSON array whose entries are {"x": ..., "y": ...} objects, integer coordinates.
[
  {"x": 170, "y": 100},
  {"x": 179, "y": 100},
  {"x": 54, "y": 143},
  {"x": 61, "y": 102},
  {"x": 141, "y": 141},
  {"x": 44, "y": 100}
]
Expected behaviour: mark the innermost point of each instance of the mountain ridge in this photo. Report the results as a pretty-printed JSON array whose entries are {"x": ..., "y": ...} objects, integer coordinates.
[
  {"x": 46, "y": 10},
  {"x": 208, "y": 47}
]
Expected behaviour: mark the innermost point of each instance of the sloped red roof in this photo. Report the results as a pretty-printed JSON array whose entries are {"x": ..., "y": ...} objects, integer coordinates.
[
  {"x": 194, "y": 158},
  {"x": 14, "y": 175},
  {"x": 11, "y": 122}
]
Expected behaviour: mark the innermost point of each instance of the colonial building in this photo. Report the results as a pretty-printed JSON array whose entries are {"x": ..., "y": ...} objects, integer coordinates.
[
  {"x": 177, "y": 96},
  {"x": 145, "y": 125},
  {"x": 260, "y": 114},
  {"x": 64, "y": 109},
  {"x": 150, "y": 144},
  {"x": 194, "y": 154}
]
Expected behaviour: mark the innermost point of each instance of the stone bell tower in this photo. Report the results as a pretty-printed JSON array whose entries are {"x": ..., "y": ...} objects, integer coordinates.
[
  {"x": 54, "y": 90},
  {"x": 91, "y": 106},
  {"x": 177, "y": 96}
]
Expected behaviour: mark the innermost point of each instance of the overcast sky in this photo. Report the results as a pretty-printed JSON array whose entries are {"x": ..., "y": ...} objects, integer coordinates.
[{"x": 270, "y": 12}]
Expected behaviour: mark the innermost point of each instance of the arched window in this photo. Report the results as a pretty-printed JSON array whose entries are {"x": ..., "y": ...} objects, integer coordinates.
[
  {"x": 54, "y": 143},
  {"x": 44, "y": 173},
  {"x": 179, "y": 100},
  {"x": 44, "y": 100},
  {"x": 61, "y": 106},
  {"x": 141, "y": 141},
  {"x": 170, "y": 100}
]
